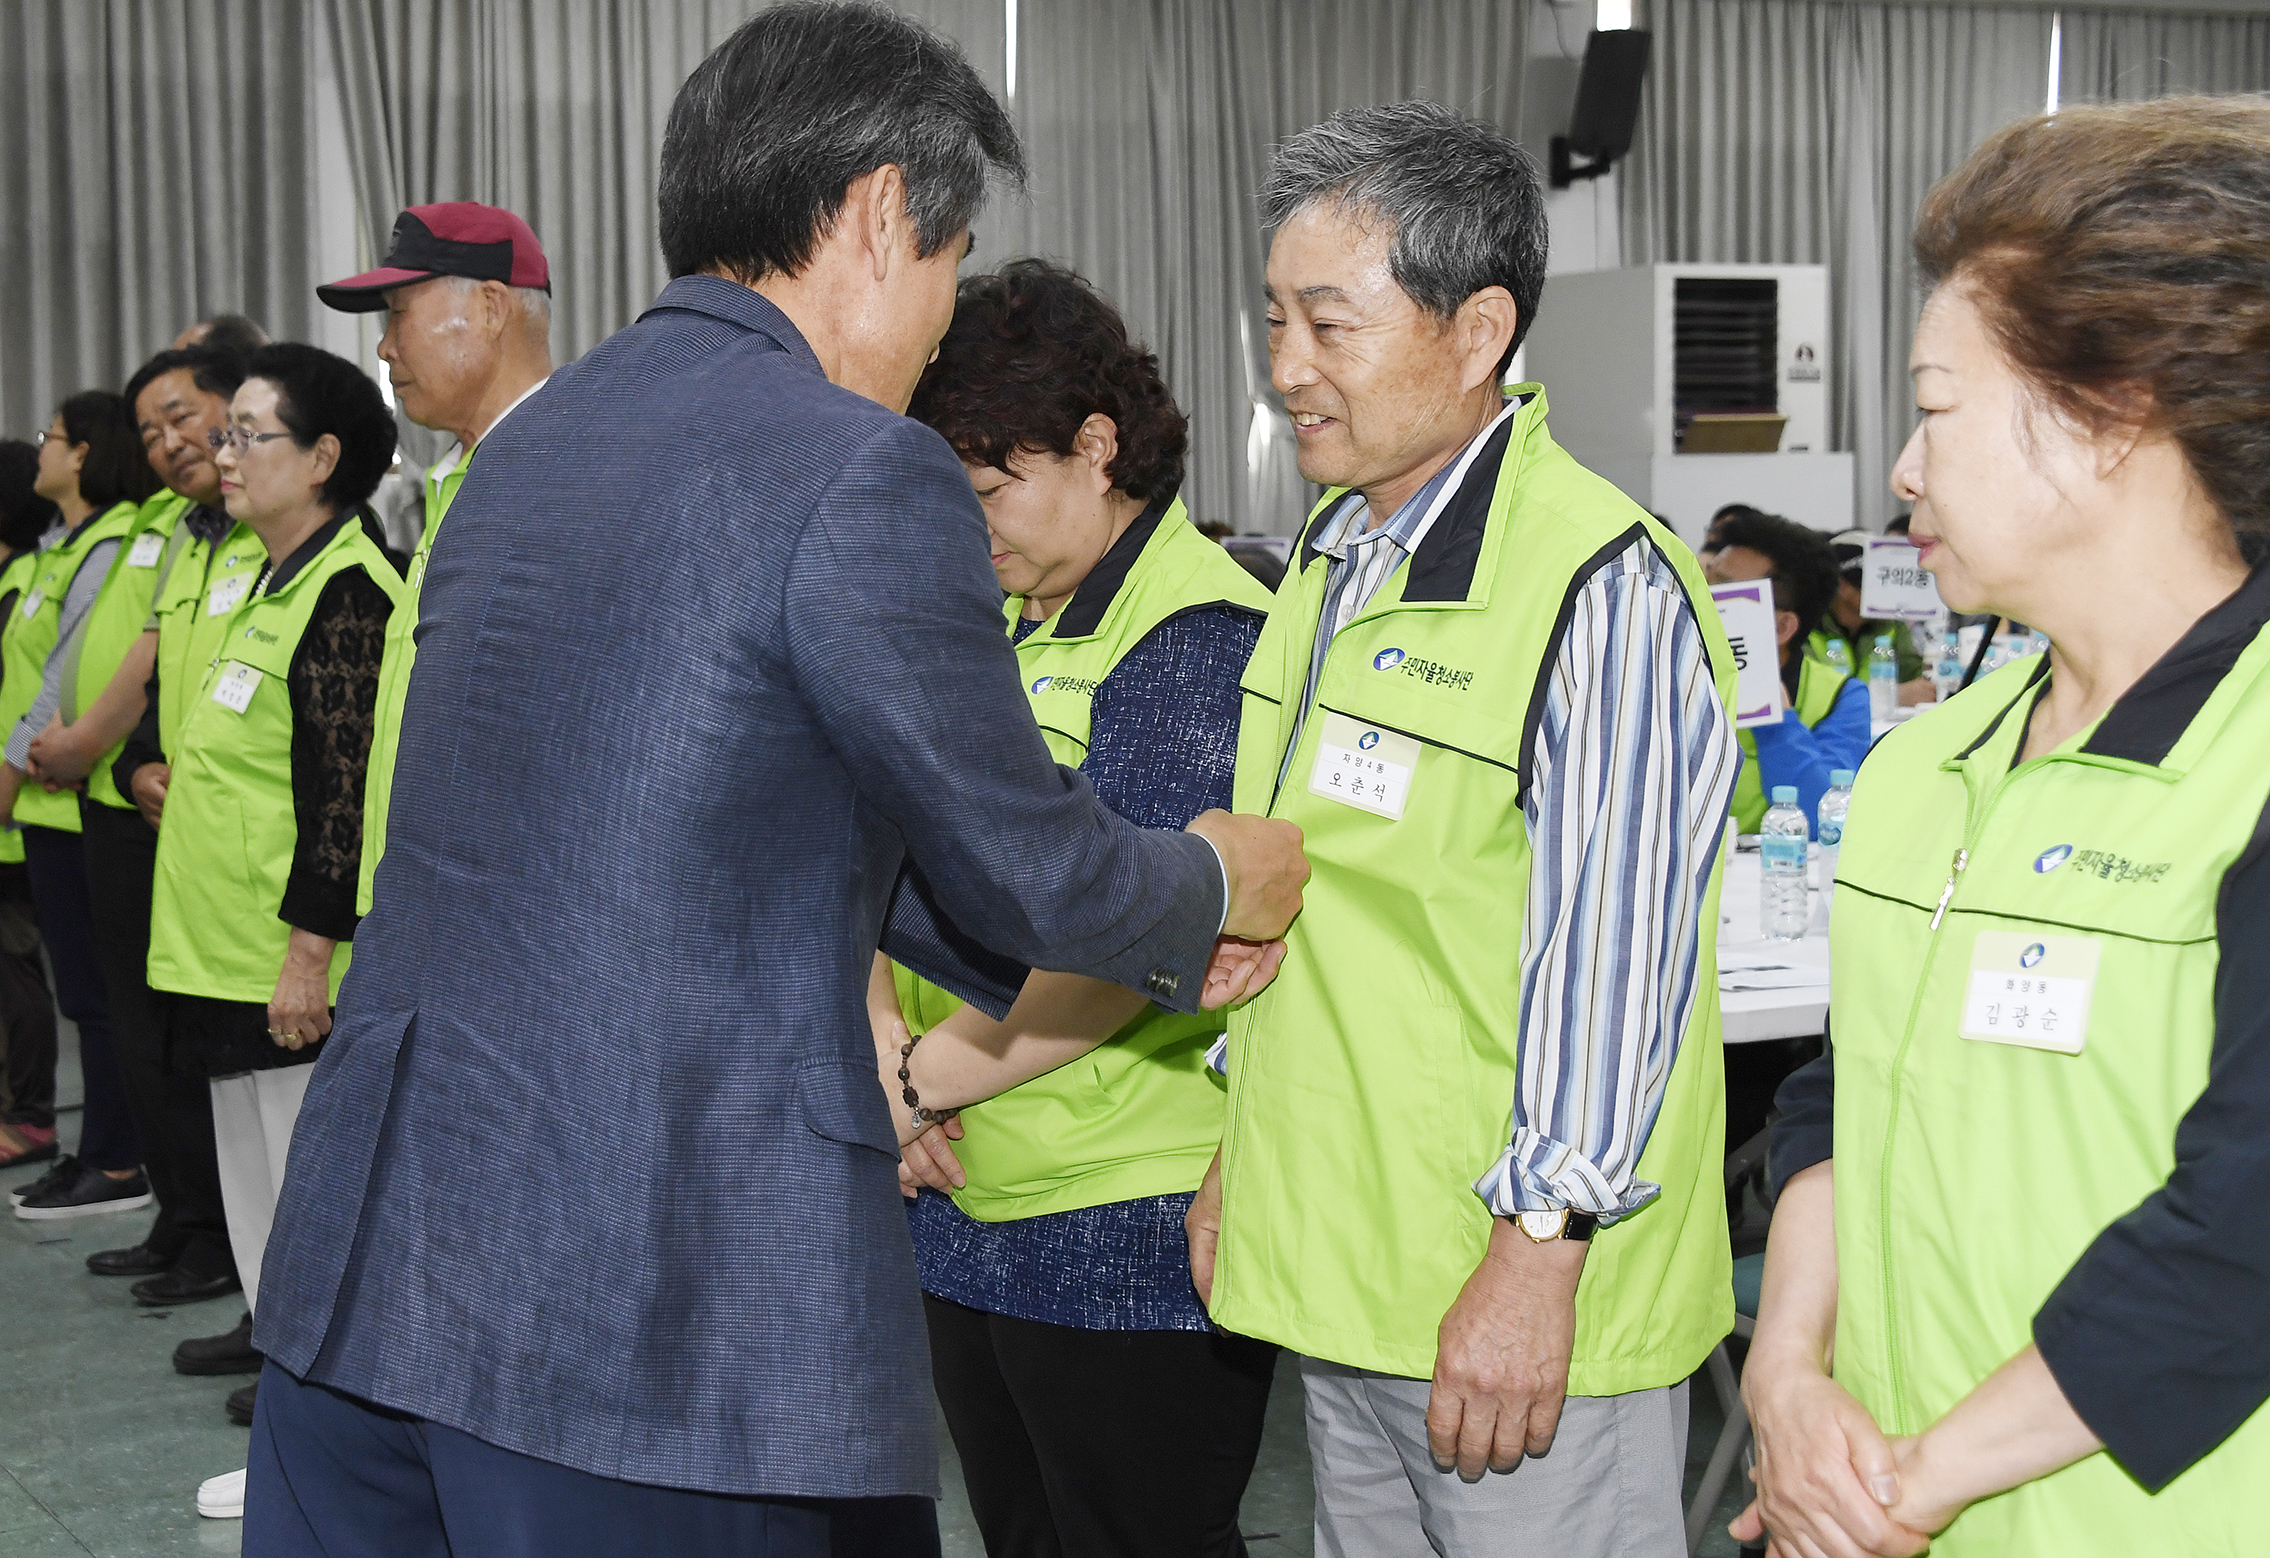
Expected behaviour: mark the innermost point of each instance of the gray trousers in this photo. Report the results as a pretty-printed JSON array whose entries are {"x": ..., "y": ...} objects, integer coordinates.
[{"x": 1608, "y": 1488}]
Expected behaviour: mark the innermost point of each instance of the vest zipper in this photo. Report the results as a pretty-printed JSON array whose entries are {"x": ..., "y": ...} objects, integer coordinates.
[
  {"x": 1897, "y": 1366},
  {"x": 1962, "y": 859}
]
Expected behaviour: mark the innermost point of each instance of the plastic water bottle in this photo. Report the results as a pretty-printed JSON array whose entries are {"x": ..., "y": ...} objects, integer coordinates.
[
  {"x": 1883, "y": 681},
  {"x": 1948, "y": 677},
  {"x": 1828, "y": 831},
  {"x": 1783, "y": 911},
  {"x": 1836, "y": 656}
]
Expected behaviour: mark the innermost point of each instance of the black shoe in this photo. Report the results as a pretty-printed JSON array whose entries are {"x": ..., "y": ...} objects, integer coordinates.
[
  {"x": 89, "y": 1192},
  {"x": 64, "y": 1170},
  {"x": 240, "y": 1405},
  {"x": 136, "y": 1260},
  {"x": 183, "y": 1287},
  {"x": 231, "y": 1352}
]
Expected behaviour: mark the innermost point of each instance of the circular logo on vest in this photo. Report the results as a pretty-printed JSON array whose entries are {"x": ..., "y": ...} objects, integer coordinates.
[
  {"x": 2050, "y": 859},
  {"x": 1368, "y": 740},
  {"x": 1387, "y": 660},
  {"x": 1042, "y": 684},
  {"x": 2032, "y": 955}
]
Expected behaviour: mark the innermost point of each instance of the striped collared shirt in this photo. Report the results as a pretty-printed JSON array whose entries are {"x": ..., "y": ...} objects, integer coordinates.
[{"x": 1631, "y": 776}]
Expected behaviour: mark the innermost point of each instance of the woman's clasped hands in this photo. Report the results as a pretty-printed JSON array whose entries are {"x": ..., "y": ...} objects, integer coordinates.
[{"x": 1830, "y": 1485}]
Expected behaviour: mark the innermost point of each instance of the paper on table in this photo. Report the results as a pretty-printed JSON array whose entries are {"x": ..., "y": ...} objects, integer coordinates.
[{"x": 1773, "y": 979}]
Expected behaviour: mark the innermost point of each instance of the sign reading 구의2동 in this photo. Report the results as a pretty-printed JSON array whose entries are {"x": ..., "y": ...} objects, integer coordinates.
[
  {"x": 1746, "y": 611},
  {"x": 1893, "y": 583}
]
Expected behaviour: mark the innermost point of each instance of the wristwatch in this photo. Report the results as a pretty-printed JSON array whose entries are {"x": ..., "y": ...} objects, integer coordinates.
[{"x": 1559, "y": 1223}]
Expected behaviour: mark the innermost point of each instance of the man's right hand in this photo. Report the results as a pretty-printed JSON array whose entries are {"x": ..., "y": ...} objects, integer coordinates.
[
  {"x": 1262, "y": 857},
  {"x": 150, "y": 782}
]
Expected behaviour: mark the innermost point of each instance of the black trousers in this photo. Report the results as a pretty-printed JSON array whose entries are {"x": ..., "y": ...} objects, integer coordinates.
[
  {"x": 27, "y": 1008},
  {"x": 1100, "y": 1444},
  {"x": 58, "y": 864},
  {"x": 171, "y": 1105}
]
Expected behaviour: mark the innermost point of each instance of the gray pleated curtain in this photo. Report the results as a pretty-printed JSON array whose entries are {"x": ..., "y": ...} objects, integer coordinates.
[
  {"x": 155, "y": 167},
  {"x": 2126, "y": 57},
  {"x": 1808, "y": 132},
  {"x": 1149, "y": 125}
]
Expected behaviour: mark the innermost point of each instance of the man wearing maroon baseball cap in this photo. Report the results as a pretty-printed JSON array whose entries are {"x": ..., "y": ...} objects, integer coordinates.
[{"x": 467, "y": 295}]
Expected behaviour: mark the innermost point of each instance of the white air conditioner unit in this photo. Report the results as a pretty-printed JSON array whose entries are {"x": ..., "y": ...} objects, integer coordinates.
[{"x": 1644, "y": 366}]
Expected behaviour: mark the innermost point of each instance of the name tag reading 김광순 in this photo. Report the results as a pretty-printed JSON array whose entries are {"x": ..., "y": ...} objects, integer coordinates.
[
  {"x": 2031, "y": 990},
  {"x": 1364, "y": 766}
]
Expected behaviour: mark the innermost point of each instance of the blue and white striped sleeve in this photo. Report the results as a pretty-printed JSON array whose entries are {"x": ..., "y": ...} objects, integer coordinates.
[{"x": 1633, "y": 770}]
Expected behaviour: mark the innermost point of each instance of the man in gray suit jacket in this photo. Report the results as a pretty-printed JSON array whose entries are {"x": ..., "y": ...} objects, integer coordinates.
[{"x": 591, "y": 1240}]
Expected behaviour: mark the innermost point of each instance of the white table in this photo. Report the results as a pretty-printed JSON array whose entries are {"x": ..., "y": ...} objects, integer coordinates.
[{"x": 1752, "y": 1016}]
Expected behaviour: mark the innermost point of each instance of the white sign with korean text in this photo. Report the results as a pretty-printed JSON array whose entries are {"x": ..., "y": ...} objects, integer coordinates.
[
  {"x": 2029, "y": 990},
  {"x": 1364, "y": 766},
  {"x": 1893, "y": 583},
  {"x": 1746, "y": 611}
]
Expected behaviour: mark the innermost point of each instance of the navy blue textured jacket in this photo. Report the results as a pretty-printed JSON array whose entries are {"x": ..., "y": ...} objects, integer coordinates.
[{"x": 595, "y": 1166}]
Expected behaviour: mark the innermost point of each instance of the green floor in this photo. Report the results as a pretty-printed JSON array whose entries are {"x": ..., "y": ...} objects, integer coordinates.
[{"x": 103, "y": 1445}]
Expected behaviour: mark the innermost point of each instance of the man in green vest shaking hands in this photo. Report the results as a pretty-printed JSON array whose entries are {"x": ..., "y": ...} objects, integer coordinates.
[
  {"x": 1471, "y": 1164},
  {"x": 468, "y": 300}
]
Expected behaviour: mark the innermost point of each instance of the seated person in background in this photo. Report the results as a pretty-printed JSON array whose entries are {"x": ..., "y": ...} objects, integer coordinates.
[
  {"x": 1859, "y": 634},
  {"x": 1713, "y": 539},
  {"x": 1825, "y": 726}
]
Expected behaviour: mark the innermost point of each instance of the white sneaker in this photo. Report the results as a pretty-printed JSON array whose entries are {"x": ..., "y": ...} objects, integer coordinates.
[{"x": 222, "y": 1497}]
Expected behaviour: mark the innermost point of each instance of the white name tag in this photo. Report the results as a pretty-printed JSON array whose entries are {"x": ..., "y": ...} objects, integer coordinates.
[
  {"x": 2031, "y": 990},
  {"x": 1364, "y": 766},
  {"x": 1893, "y": 582},
  {"x": 32, "y": 602},
  {"x": 222, "y": 598},
  {"x": 237, "y": 683},
  {"x": 148, "y": 548}
]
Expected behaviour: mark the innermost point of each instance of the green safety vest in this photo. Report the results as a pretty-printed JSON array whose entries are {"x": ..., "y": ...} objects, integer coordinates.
[
  {"x": 225, "y": 849},
  {"x": 1972, "y": 1174},
  {"x": 1141, "y": 1114},
  {"x": 30, "y": 637},
  {"x": 1373, "y": 1082},
  {"x": 394, "y": 681},
  {"x": 15, "y": 578},
  {"x": 1818, "y": 686},
  {"x": 120, "y": 616},
  {"x": 207, "y": 582}
]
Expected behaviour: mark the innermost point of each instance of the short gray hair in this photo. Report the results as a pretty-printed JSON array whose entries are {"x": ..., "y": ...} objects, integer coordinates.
[{"x": 1463, "y": 198}]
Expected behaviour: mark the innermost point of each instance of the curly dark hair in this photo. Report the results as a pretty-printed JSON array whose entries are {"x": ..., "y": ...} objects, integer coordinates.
[
  {"x": 1033, "y": 352},
  {"x": 318, "y": 393}
]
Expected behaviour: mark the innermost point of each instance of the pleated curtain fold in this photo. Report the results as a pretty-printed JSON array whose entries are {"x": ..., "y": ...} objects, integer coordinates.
[
  {"x": 155, "y": 167},
  {"x": 1808, "y": 132}
]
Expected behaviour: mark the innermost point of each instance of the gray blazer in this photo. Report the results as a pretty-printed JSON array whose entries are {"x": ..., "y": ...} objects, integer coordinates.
[{"x": 595, "y": 1166}]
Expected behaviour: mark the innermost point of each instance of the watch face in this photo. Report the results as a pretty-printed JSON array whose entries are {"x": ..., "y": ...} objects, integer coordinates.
[{"x": 1544, "y": 1225}]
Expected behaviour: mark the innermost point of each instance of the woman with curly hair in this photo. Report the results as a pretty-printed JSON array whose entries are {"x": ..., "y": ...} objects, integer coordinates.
[{"x": 1077, "y": 1368}]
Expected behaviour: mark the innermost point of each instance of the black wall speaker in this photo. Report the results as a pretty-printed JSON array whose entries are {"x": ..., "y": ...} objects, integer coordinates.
[{"x": 1607, "y": 106}]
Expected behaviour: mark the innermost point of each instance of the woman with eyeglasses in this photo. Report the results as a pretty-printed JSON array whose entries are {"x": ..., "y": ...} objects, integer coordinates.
[
  {"x": 92, "y": 468},
  {"x": 260, "y": 843}
]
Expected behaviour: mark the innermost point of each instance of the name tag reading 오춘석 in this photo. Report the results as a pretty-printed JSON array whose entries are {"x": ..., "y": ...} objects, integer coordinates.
[{"x": 1363, "y": 766}]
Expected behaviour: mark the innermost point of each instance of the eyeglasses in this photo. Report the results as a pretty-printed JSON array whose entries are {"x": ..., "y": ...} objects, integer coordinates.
[
  {"x": 237, "y": 438},
  {"x": 47, "y": 435}
]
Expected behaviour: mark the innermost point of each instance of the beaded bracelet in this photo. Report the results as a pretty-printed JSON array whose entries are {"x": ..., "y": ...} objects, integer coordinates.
[{"x": 918, "y": 1116}]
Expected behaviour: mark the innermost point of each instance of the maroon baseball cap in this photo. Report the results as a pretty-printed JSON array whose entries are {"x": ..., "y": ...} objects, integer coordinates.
[{"x": 457, "y": 238}]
